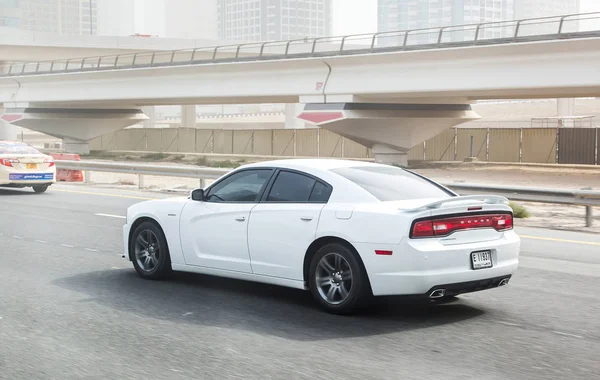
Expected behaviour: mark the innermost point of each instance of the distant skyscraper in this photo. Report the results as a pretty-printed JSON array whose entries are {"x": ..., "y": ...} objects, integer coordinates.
[
  {"x": 397, "y": 15},
  {"x": 264, "y": 20},
  {"x": 70, "y": 17},
  {"x": 542, "y": 8}
]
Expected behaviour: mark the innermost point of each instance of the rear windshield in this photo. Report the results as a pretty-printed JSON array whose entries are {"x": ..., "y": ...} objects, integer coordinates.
[
  {"x": 7, "y": 147},
  {"x": 389, "y": 183}
]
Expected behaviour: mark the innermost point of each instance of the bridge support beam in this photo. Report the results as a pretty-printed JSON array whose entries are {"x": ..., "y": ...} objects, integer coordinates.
[
  {"x": 389, "y": 130},
  {"x": 75, "y": 126}
]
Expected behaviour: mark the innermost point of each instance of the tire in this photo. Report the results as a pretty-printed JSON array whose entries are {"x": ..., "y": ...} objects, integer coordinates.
[
  {"x": 348, "y": 296},
  {"x": 152, "y": 260},
  {"x": 40, "y": 188}
]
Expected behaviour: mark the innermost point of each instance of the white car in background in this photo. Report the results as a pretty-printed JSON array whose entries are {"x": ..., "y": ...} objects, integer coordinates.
[
  {"x": 21, "y": 165},
  {"x": 344, "y": 230}
]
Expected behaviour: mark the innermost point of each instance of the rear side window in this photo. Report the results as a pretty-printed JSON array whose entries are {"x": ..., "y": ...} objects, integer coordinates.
[
  {"x": 298, "y": 188},
  {"x": 16, "y": 148},
  {"x": 389, "y": 183},
  {"x": 291, "y": 187},
  {"x": 320, "y": 193}
]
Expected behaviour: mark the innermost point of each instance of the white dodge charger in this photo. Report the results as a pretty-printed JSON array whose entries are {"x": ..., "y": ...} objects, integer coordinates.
[{"x": 344, "y": 230}]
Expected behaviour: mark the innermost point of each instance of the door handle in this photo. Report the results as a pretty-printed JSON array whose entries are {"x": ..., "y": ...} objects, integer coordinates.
[
  {"x": 306, "y": 218},
  {"x": 240, "y": 218}
]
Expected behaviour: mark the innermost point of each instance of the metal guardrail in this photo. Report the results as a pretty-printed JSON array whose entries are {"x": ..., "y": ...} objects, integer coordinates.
[
  {"x": 587, "y": 198},
  {"x": 502, "y": 32}
]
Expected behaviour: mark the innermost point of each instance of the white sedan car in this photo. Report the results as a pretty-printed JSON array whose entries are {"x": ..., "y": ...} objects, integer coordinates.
[
  {"x": 344, "y": 230},
  {"x": 21, "y": 165}
]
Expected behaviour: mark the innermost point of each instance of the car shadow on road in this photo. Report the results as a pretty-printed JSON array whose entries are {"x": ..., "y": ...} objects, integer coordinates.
[
  {"x": 271, "y": 310},
  {"x": 16, "y": 191}
]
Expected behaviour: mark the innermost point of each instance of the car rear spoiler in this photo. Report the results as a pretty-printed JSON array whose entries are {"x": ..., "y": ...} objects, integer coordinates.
[{"x": 487, "y": 199}]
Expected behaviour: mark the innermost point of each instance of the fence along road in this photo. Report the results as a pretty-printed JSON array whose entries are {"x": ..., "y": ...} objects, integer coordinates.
[
  {"x": 525, "y": 145},
  {"x": 585, "y": 198}
]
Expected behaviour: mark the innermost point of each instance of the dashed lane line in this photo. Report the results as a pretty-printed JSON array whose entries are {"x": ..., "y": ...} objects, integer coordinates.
[
  {"x": 560, "y": 240},
  {"x": 105, "y": 194},
  {"x": 110, "y": 215}
]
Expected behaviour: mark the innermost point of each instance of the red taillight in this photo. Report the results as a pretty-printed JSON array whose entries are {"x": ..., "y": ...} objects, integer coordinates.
[
  {"x": 446, "y": 226},
  {"x": 49, "y": 161},
  {"x": 8, "y": 162}
]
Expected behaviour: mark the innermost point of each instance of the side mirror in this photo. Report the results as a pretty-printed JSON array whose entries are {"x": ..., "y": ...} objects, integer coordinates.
[{"x": 197, "y": 195}]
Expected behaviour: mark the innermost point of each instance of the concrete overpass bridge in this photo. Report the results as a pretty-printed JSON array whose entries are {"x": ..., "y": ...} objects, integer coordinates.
[{"x": 388, "y": 91}]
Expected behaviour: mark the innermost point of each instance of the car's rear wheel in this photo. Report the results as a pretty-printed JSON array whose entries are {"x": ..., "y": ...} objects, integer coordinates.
[
  {"x": 338, "y": 280},
  {"x": 40, "y": 188},
  {"x": 149, "y": 252}
]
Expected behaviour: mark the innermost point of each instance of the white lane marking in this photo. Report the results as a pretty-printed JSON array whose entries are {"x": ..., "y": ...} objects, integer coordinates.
[
  {"x": 110, "y": 216},
  {"x": 18, "y": 237},
  {"x": 67, "y": 246},
  {"x": 115, "y": 268},
  {"x": 508, "y": 323},
  {"x": 188, "y": 313},
  {"x": 567, "y": 334},
  {"x": 41, "y": 241},
  {"x": 91, "y": 249}
]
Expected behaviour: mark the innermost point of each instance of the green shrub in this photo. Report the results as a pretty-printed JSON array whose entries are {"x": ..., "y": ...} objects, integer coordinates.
[
  {"x": 154, "y": 156},
  {"x": 519, "y": 211}
]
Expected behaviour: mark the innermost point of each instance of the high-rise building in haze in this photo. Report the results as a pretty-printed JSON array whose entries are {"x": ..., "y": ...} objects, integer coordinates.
[
  {"x": 69, "y": 17},
  {"x": 396, "y": 15},
  {"x": 264, "y": 20}
]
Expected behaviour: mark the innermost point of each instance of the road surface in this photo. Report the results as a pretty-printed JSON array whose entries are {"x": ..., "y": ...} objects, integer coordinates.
[{"x": 72, "y": 308}]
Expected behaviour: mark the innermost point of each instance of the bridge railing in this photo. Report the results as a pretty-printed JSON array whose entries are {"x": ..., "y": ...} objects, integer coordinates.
[{"x": 502, "y": 32}]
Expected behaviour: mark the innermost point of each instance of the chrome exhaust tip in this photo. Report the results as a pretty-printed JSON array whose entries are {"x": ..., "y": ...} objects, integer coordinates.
[
  {"x": 503, "y": 282},
  {"x": 438, "y": 293}
]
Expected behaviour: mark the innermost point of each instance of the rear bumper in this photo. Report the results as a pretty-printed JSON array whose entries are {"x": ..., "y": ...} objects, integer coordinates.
[
  {"x": 417, "y": 267},
  {"x": 28, "y": 179}
]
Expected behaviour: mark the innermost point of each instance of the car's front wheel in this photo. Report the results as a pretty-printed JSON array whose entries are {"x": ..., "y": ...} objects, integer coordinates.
[
  {"x": 150, "y": 252},
  {"x": 338, "y": 280},
  {"x": 40, "y": 188}
]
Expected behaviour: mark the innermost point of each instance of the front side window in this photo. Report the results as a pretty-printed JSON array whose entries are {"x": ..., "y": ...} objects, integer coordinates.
[
  {"x": 244, "y": 186},
  {"x": 389, "y": 183}
]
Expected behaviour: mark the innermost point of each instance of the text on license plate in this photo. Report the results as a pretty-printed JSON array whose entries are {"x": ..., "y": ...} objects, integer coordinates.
[
  {"x": 31, "y": 166},
  {"x": 481, "y": 259}
]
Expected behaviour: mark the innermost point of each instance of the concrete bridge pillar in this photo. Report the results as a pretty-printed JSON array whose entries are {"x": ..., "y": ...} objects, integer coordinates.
[
  {"x": 75, "y": 126},
  {"x": 188, "y": 116},
  {"x": 7, "y": 132},
  {"x": 389, "y": 130},
  {"x": 151, "y": 113}
]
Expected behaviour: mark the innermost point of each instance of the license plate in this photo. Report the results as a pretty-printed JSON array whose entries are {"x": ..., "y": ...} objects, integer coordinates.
[
  {"x": 481, "y": 259},
  {"x": 31, "y": 166}
]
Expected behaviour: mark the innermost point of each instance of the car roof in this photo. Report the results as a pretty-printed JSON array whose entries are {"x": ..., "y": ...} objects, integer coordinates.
[{"x": 311, "y": 164}]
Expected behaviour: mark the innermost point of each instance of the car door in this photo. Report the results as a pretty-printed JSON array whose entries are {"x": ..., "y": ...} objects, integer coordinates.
[
  {"x": 214, "y": 231},
  {"x": 284, "y": 224}
]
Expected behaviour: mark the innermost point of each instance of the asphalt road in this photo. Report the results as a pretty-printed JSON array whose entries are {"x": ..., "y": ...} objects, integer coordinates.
[{"x": 72, "y": 308}]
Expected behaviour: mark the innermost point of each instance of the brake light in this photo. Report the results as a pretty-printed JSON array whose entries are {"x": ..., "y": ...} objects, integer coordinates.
[
  {"x": 49, "y": 161},
  {"x": 8, "y": 162},
  {"x": 446, "y": 226}
]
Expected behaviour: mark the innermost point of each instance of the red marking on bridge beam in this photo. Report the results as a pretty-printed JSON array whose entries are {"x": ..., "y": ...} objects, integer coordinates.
[
  {"x": 9, "y": 118},
  {"x": 321, "y": 117}
]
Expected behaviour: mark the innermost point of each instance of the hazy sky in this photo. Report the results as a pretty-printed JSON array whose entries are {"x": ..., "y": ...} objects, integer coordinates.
[{"x": 349, "y": 16}]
